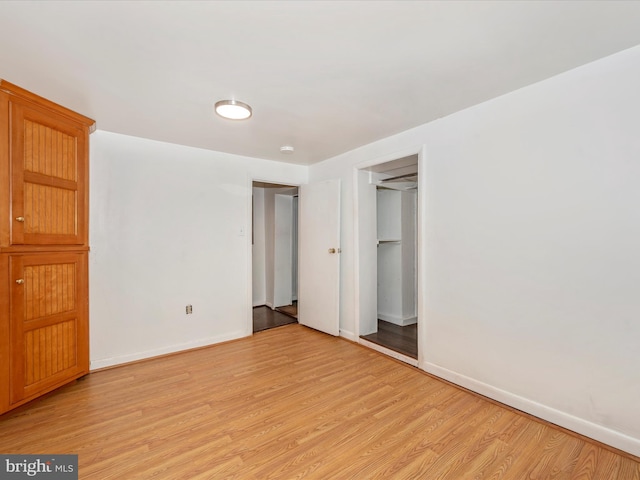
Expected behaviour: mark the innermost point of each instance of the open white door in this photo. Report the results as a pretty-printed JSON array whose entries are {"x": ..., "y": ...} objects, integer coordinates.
[
  {"x": 319, "y": 256},
  {"x": 283, "y": 250}
]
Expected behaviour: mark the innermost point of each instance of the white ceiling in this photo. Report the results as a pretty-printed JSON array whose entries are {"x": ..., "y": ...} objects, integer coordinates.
[{"x": 325, "y": 77}]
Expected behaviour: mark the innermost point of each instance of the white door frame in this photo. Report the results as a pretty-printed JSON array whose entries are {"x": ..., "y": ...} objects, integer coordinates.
[
  {"x": 421, "y": 231},
  {"x": 249, "y": 236}
]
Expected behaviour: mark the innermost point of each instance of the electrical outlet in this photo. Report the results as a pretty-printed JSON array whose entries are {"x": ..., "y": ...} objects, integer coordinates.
[{"x": 189, "y": 309}]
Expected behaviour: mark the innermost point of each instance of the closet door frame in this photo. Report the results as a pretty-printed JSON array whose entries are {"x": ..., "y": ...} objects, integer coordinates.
[{"x": 365, "y": 236}]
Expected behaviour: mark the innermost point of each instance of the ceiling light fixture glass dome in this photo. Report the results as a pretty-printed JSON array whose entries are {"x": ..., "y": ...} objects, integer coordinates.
[{"x": 233, "y": 109}]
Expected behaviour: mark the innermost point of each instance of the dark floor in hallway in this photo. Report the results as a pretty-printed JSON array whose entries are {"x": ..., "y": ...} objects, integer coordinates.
[
  {"x": 394, "y": 337},
  {"x": 291, "y": 310},
  {"x": 265, "y": 318}
]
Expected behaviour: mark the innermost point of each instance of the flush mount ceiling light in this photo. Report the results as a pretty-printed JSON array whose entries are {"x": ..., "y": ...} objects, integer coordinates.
[
  {"x": 286, "y": 149},
  {"x": 233, "y": 109}
]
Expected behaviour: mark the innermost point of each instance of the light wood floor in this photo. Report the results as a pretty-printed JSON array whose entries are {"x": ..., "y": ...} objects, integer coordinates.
[{"x": 294, "y": 403}]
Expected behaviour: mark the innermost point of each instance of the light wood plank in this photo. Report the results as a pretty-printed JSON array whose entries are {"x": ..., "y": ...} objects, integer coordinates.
[{"x": 294, "y": 403}]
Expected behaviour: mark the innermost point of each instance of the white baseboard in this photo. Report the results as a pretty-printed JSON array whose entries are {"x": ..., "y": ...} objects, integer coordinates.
[
  {"x": 348, "y": 335},
  {"x": 592, "y": 430},
  {"x": 392, "y": 353},
  {"x": 132, "y": 357},
  {"x": 396, "y": 320}
]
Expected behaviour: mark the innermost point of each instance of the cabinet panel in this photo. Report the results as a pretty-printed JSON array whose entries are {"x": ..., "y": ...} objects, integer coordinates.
[
  {"x": 49, "y": 350},
  {"x": 49, "y": 289},
  {"x": 5, "y": 333},
  {"x": 49, "y": 325},
  {"x": 49, "y": 151},
  {"x": 44, "y": 175},
  {"x": 50, "y": 210},
  {"x": 48, "y": 177}
]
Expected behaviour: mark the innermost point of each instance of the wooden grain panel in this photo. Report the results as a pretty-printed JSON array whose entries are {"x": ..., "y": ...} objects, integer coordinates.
[
  {"x": 294, "y": 403},
  {"x": 5, "y": 332},
  {"x": 44, "y": 340},
  {"x": 49, "y": 324},
  {"x": 49, "y": 210},
  {"x": 49, "y": 151},
  {"x": 5, "y": 173},
  {"x": 49, "y": 289},
  {"x": 49, "y": 350},
  {"x": 49, "y": 177}
]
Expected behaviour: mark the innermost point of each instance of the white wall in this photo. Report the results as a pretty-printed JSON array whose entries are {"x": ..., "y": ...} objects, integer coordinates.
[
  {"x": 294, "y": 248},
  {"x": 530, "y": 254},
  {"x": 258, "y": 250},
  {"x": 271, "y": 243},
  {"x": 170, "y": 226}
]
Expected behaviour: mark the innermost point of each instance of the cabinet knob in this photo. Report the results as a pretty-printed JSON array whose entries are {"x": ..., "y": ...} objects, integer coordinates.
[
  {"x": 20, "y": 281},
  {"x": 20, "y": 219}
]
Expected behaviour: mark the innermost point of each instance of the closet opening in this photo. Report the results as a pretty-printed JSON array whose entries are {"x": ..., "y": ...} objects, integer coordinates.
[
  {"x": 388, "y": 238},
  {"x": 274, "y": 255}
]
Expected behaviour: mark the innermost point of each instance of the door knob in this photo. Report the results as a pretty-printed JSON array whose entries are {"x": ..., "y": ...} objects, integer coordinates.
[
  {"x": 20, "y": 219},
  {"x": 332, "y": 250},
  {"x": 20, "y": 281}
]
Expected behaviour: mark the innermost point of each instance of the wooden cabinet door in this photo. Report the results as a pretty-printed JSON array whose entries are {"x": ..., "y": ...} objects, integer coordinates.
[
  {"x": 48, "y": 322},
  {"x": 48, "y": 177}
]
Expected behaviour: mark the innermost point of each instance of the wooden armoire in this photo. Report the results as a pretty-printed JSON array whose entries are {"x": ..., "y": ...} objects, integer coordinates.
[{"x": 44, "y": 203}]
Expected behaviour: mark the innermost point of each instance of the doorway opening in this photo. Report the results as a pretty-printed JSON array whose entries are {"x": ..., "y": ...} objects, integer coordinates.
[
  {"x": 388, "y": 253},
  {"x": 274, "y": 255}
]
